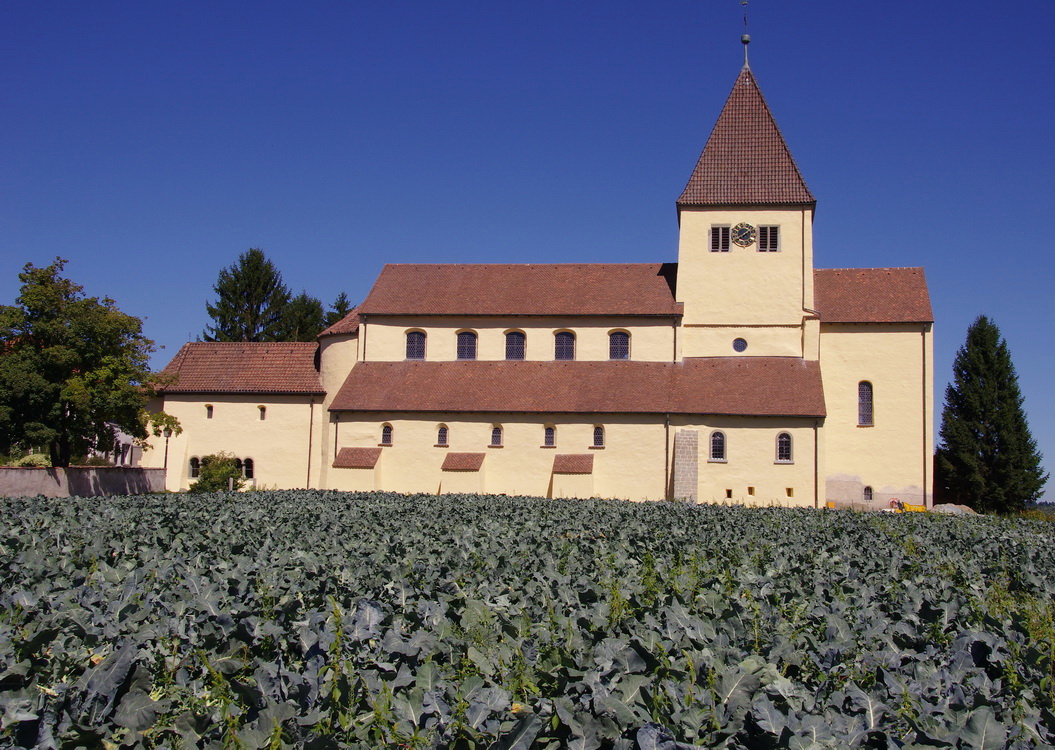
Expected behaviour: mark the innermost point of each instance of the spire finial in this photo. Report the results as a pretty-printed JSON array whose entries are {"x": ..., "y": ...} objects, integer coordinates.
[{"x": 745, "y": 39}]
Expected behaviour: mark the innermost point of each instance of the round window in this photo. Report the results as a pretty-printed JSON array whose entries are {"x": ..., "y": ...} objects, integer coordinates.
[{"x": 739, "y": 344}]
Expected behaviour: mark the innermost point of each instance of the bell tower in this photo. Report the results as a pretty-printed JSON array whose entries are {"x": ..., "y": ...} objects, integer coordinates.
[{"x": 745, "y": 249}]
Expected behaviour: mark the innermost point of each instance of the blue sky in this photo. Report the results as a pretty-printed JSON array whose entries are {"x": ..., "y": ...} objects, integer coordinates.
[{"x": 151, "y": 143}]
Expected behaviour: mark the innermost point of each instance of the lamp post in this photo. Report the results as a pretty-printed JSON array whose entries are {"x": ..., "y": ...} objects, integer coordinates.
[{"x": 167, "y": 433}]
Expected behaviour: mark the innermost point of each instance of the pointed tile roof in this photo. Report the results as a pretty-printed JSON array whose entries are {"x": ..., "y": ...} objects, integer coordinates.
[{"x": 746, "y": 160}]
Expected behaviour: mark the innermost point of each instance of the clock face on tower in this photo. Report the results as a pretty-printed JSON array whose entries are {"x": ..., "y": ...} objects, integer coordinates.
[{"x": 743, "y": 234}]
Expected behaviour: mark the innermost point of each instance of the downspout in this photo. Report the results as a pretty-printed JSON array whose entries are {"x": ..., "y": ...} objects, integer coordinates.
[
  {"x": 362, "y": 350},
  {"x": 674, "y": 327},
  {"x": 923, "y": 390},
  {"x": 666, "y": 457},
  {"x": 336, "y": 429},
  {"x": 816, "y": 464},
  {"x": 311, "y": 430}
]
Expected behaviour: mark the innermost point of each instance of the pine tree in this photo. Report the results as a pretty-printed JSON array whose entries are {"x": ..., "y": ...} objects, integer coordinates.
[
  {"x": 341, "y": 307},
  {"x": 251, "y": 301},
  {"x": 303, "y": 319},
  {"x": 988, "y": 458}
]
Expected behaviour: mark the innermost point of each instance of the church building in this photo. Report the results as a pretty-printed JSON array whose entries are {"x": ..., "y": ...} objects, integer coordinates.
[{"x": 738, "y": 374}]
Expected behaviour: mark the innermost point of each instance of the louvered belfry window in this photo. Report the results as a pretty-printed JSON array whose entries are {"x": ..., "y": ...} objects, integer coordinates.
[
  {"x": 768, "y": 239},
  {"x": 864, "y": 403},
  {"x": 516, "y": 342},
  {"x": 719, "y": 239}
]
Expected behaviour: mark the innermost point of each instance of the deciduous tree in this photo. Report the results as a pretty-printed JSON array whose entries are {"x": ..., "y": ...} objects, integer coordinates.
[
  {"x": 71, "y": 366},
  {"x": 988, "y": 458}
]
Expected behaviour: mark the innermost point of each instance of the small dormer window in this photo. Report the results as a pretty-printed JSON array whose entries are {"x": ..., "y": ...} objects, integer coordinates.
[
  {"x": 768, "y": 239},
  {"x": 719, "y": 239}
]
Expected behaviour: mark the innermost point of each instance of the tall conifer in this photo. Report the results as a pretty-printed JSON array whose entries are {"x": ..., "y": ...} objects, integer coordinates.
[
  {"x": 988, "y": 458},
  {"x": 251, "y": 301}
]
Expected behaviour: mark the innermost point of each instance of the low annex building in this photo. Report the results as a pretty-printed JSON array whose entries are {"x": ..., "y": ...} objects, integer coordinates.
[{"x": 738, "y": 374}]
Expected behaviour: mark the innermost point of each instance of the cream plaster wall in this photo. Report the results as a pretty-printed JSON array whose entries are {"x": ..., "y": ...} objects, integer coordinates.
[
  {"x": 337, "y": 356},
  {"x": 279, "y": 444},
  {"x": 744, "y": 286},
  {"x": 894, "y": 455},
  {"x": 651, "y": 339},
  {"x": 631, "y": 465},
  {"x": 762, "y": 341},
  {"x": 751, "y": 450}
]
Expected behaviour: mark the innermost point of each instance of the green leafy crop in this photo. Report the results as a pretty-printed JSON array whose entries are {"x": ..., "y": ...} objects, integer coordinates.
[{"x": 324, "y": 619}]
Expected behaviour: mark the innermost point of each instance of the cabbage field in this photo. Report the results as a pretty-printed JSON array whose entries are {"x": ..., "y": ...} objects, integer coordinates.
[{"x": 323, "y": 619}]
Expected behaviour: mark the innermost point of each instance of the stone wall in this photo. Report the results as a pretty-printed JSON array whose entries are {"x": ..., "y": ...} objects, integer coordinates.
[
  {"x": 686, "y": 465},
  {"x": 85, "y": 481}
]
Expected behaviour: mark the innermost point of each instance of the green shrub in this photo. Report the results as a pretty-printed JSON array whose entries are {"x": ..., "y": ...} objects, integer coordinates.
[
  {"x": 215, "y": 472},
  {"x": 37, "y": 460},
  {"x": 96, "y": 461}
]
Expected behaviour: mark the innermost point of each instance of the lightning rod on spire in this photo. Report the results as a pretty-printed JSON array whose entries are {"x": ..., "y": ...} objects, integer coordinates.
[{"x": 745, "y": 39}]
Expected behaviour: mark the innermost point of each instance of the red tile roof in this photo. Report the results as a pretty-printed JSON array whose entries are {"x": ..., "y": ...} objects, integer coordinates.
[
  {"x": 463, "y": 462},
  {"x": 746, "y": 160},
  {"x": 872, "y": 295},
  {"x": 357, "y": 458},
  {"x": 524, "y": 289},
  {"x": 213, "y": 367},
  {"x": 573, "y": 463},
  {"x": 770, "y": 386},
  {"x": 348, "y": 324}
]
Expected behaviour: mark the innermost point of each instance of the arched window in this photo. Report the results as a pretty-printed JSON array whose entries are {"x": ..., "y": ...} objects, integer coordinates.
[
  {"x": 598, "y": 436},
  {"x": 784, "y": 448},
  {"x": 868, "y": 494},
  {"x": 195, "y": 468},
  {"x": 496, "y": 436},
  {"x": 238, "y": 465},
  {"x": 208, "y": 411},
  {"x": 247, "y": 468},
  {"x": 516, "y": 344},
  {"x": 386, "y": 434},
  {"x": 441, "y": 435},
  {"x": 466, "y": 345},
  {"x": 549, "y": 437},
  {"x": 263, "y": 412},
  {"x": 564, "y": 345},
  {"x": 718, "y": 446},
  {"x": 619, "y": 345},
  {"x": 864, "y": 403},
  {"x": 415, "y": 345}
]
